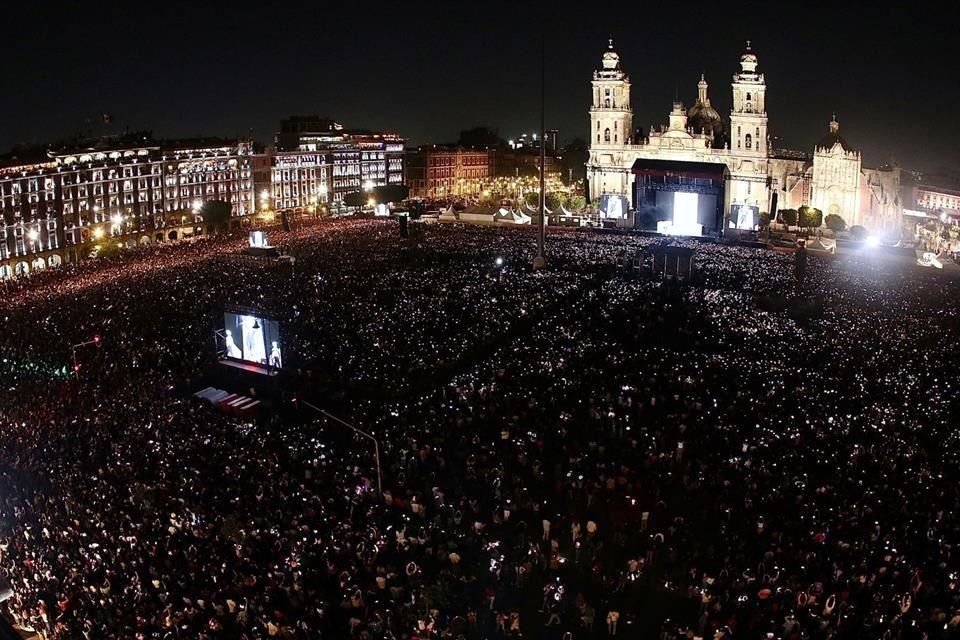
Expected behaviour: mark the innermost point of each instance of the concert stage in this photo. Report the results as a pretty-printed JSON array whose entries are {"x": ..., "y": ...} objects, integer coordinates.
[
  {"x": 250, "y": 367},
  {"x": 262, "y": 252}
]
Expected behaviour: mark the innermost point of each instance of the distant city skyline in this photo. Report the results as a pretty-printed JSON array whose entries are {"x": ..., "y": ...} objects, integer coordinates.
[{"x": 185, "y": 70}]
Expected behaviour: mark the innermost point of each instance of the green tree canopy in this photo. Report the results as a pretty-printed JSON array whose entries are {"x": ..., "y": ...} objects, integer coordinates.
[
  {"x": 356, "y": 199},
  {"x": 835, "y": 223},
  {"x": 216, "y": 214},
  {"x": 391, "y": 193},
  {"x": 789, "y": 216},
  {"x": 810, "y": 217},
  {"x": 576, "y": 202}
]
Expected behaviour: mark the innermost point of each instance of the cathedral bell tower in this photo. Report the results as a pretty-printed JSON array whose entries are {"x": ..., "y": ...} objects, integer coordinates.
[
  {"x": 748, "y": 120},
  {"x": 611, "y": 120}
]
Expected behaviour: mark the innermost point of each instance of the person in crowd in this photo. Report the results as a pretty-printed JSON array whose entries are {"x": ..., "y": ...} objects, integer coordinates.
[{"x": 579, "y": 453}]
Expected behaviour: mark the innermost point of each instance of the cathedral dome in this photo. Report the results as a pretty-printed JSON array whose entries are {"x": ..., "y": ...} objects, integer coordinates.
[{"x": 702, "y": 117}]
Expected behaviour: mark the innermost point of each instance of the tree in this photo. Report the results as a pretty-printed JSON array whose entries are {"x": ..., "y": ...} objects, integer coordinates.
[
  {"x": 552, "y": 202},
  {"x": 835, "y": 223},
  {"x": 858, "y": 232},
  {"x": 809, "y": 217},
  {"x": 356, "y": 199},
  {"x": 789, "y": 216},
  {"x": 576, "y": 203},
  {"x": 391, "y": 193},
  {"x": 216, "y": 214},
  {"x": 108, "y": 250},
  {"x": 532, "y": 198}
]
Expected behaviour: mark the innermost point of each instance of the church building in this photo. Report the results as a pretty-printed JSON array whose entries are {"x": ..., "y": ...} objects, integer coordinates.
[{"x": 756, "y": 176}]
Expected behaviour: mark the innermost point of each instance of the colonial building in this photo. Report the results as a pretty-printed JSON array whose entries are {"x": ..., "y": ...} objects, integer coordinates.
[
  {"x": 340, "y": 160},
  {"x": 58, "y": 207},
  {"x": 694, "y": 135},
  {"x": 832, "y": 179},
  {"x": 837, "y": 176},
  {"x": 438, "y": 171}
]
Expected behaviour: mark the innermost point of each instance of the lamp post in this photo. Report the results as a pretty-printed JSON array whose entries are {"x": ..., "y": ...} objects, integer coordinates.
[
  {"x": 73, "y": 349},
  {"x": 540, "y": 261},
  {"x": 376, "y": 443}
]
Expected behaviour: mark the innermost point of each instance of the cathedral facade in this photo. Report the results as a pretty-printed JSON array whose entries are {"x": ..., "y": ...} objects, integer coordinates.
[{"x": 831, "y": 179}]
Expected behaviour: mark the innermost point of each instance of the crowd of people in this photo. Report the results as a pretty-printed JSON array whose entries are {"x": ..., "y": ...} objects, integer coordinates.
[{"x": 583, "y": 452}]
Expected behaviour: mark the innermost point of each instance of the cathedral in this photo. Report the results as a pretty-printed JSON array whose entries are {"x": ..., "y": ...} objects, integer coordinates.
[{"x": 832, "y": 179}]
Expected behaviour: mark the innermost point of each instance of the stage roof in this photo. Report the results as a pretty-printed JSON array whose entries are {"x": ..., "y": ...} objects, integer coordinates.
[{"x": 679, "y": 168}]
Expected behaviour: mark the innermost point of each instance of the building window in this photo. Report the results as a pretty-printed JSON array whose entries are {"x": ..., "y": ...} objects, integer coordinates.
[
  {"x": 606, "y": 135},
  {"x": 749, "y": 141}
]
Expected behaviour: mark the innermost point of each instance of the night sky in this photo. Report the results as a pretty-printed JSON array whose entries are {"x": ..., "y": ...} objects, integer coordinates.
[{"x": 428, "y": 70}]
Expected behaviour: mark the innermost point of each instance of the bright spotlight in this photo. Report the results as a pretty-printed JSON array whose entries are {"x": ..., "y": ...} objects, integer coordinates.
[
  {"x": 33, "y": 235},
  {"x": 873, "y": 241},
  {"x": 98, "y": 233},
  {"x": 499, "y": 261}
]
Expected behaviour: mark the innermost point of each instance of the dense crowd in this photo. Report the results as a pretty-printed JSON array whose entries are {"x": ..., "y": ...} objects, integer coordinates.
[{"x": 584, "y": 452}]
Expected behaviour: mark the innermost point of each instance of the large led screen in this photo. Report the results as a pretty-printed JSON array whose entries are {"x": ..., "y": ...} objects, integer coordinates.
[
  {"x": 614, "y": 207},
  {"x": 252, "y": 339}
]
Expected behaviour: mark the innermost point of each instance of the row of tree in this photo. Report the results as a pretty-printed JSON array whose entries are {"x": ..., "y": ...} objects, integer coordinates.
[
  {"x": 570, "y": 201},
  {"x": 804, "y": 217},
  {"x": 811, "y": 218},
  {"x": 380, "y": 195}
]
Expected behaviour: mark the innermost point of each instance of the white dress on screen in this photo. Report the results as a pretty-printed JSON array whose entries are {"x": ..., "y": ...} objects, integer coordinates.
[
  {"x": 254, "y": 348},
  {"x": 233, "y": 350}
]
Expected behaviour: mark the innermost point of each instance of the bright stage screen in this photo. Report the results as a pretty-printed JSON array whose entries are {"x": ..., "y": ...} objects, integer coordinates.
[
  {"x": 744, "y": 216},
  {"x": 613, "y": 207},
  {"x": 252, "y": 339},
  {"x": 685, "y": 216},
  {"x": 258, "y": 239}
]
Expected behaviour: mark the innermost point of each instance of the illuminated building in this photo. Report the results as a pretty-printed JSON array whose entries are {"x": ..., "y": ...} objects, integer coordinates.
[
  {"x": 56, "y": 207},
  {"x": 837, "y": 176},
  {"x": 344, "y": 160},
  {"x": 832, "y": 179},
  {"x": 299, "y": 181},
  {"x": 438, "y": 171}
]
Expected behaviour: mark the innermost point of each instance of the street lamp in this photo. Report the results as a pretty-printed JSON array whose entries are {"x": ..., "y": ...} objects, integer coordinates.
[
  {"x": 376, "y": 443},
  {"x": 73, "y": 349}
]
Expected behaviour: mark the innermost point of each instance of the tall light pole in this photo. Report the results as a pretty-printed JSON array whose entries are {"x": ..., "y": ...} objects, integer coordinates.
[
  {"x": 376, "y": 444},
  {"x": 540, "y": 261}
]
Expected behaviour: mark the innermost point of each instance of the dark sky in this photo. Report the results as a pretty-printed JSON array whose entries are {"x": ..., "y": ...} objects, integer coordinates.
[{"x": 427, "y": 70}]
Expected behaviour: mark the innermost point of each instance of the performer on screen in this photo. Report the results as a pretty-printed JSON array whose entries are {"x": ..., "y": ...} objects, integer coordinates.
[
  {"x": 275, "y": 360},
  {"x": 254, "y": 348},
  {"x": 233, "y": 351}
]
